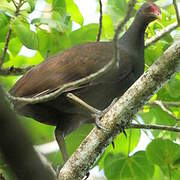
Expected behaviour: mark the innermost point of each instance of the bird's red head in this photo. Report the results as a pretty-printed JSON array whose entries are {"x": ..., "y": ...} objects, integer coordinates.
[
  {"x": 155, "y": 10},
  {"x": 150, "y": 11}
]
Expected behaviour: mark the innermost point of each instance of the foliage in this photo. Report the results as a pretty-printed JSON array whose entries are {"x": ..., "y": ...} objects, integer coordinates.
[{"x": 52, "y": 32}]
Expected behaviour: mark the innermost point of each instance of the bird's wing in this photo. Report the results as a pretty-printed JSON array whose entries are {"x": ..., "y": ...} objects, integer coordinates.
[{"x": 71, "y": 65}]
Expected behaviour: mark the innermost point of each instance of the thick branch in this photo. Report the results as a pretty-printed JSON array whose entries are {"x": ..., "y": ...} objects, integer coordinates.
[
  {"x": 121, "y": 113},
  {"x": 154, "y": 126},
  {"x": 16, "y": 148}
]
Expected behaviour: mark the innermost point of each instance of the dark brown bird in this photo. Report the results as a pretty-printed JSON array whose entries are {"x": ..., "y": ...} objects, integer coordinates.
[{"x": 79, "y": 62}]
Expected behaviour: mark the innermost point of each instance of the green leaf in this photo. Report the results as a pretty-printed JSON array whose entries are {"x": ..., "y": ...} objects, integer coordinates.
[
  {"x": 26, "y": 36},
  {"x": 156, "y": 115},
  {"x": 60, "y": 6},
  {"x": 14, "y": 46},
  {"x": 166, "y": 155},
  {"x": 4, "y": 32},
  {"x": 163, "y": 152},
  {"x": 85, "y": 34},
  {"x": 122, "y": 144},
  {"x": 117, "y": 9},
  {"x": 32, "y": 4},
  {"x": 51, "y": 43},
  {"x": 74, "y": 12},
  {"x": 134, "y": 167},
  {"x": 108, "y": 29},
  {"x": 58, "y": 25},
  {"x": 174, "y": 87},
  {"x": 4, "y": 20}
]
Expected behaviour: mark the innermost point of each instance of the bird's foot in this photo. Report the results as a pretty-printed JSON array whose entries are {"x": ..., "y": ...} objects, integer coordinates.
[{"x": 100, "y": 114}]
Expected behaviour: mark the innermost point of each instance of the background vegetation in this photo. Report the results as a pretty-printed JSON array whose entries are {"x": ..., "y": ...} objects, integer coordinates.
[{"x": 53, "y": 32}]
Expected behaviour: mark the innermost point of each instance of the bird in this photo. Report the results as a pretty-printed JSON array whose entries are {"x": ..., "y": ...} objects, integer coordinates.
[{"x": 76, "y": 63}]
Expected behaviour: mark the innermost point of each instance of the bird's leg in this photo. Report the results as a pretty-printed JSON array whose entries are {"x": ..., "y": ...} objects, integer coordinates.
[
  {"x": 61, "y": 142},
  {"x": 94, "y": 113}
]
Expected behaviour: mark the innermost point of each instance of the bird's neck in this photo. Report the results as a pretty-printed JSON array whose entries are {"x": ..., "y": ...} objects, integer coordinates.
[{"x": 134, "y": 37}]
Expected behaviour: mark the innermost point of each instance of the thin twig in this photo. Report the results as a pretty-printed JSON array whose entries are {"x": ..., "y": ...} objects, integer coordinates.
[
  {"x": 171, "y": 103},
  {"x": 177, "y": 11},
  {"x": 164, "y": 108},
  {"x": 167, "y": 29},
  {"x": 9, "y": 33},
  {"x": 79, "y": 82},
  {"x": 14, "y": 71},
  {"x": 154, "y": 126},
  {"x": 161, "y": 33},
  {"x": 100, "y": 21},
  {"x": 5, "y": 46}
]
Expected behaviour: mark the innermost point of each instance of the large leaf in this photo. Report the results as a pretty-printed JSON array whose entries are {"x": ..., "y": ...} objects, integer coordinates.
[
  {"x": 51, "y": 43},
  {"x": 32, "y": 4},
  {"x": 26, "y": 36},
  {"x": 134, "y": 167},
  {"x": 156, "y": 115},
  {"x": 60, "y": 6},
  {"x": 122, "y": 144},
  {"x": 57, "y": 25},
  {"x": 74, "y": 12},
  {"x": 4, "y": 20},
  {"x": 85, "y": 34},
  {"x": 108, "y": 29},
  {"x": 14, "y": 46},
  {"x": 165, "y": 154},
  {"x": 117, "y": 9}
]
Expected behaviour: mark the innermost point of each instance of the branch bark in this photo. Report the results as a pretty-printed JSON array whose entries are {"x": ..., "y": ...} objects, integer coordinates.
[{"x": 122, "y": 113}]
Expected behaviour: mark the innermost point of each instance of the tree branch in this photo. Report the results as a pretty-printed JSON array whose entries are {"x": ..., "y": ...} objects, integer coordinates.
[
  {"x": 164, "y": 108},
  {"x": 154, "y": 126},
  {"x": 5, "y": 46},
  {"x": 122, "y": 113},
  {"x": 100, "y": 21},
  {"x": 16, "y": 148},
  {"x": 14, "y": 71},
  {"x": 162, "y": 33}
]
